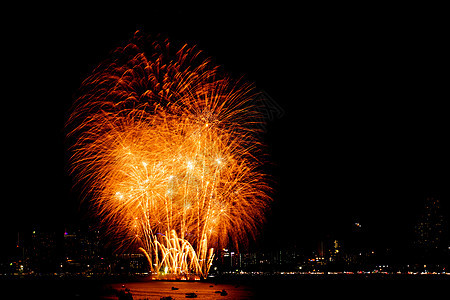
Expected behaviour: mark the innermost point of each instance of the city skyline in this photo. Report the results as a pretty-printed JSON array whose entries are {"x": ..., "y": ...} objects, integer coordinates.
[
  {"x": 427, "y": 237},
  {"x": 82, "y": 251}
]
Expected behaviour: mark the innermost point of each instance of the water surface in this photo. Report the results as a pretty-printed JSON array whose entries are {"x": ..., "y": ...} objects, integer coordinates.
[{"x": 203, "y": 290}]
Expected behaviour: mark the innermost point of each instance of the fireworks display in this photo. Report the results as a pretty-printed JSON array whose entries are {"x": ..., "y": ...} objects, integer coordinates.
[{"x": 167, "y": 149}]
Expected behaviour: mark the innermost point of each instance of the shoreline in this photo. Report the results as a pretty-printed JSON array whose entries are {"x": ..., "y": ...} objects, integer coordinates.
[{"x": 235, "y": 277}]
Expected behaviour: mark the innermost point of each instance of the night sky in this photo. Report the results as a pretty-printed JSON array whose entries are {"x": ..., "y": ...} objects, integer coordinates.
[{"x": 361, "y": 137}]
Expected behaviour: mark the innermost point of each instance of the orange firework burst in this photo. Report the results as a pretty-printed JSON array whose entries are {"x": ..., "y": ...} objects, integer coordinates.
[{"x": 167, "y": 148}]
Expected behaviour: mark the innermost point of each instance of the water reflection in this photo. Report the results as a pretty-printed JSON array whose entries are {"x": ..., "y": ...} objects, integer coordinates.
[{"x": 181, "y": 290}]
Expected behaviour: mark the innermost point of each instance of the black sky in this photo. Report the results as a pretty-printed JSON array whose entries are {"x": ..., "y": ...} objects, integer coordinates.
[{"x": 363, "y": 134}]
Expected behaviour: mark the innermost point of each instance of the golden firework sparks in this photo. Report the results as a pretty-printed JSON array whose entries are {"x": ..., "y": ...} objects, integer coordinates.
[{"x": 167, "y": 149}]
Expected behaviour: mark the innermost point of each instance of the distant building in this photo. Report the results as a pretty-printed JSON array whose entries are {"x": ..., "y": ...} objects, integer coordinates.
[
  {"x": 430, "y": 228},
  {"x": 80, "y": 245},
  {"x": 336, "y": 251},
  {"x": 272, "y": 260},
  {"x": 82, "y": 251},
  {"x": 130, "y": 263},
  {"x": 43, "y": 252}
]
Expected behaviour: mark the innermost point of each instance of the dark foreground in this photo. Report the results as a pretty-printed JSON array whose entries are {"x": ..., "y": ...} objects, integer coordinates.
[{"x": 322, "y": 286}]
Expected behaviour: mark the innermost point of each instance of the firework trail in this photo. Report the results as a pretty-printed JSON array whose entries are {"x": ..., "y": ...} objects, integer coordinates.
[{"x": 167, "y": 149}]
